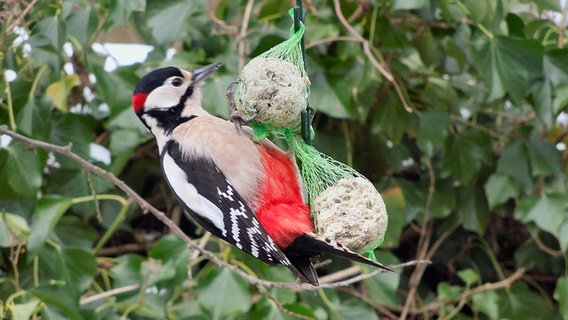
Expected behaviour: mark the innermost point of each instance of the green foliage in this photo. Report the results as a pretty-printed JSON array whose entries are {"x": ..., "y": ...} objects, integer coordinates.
[{"x": 464, "y": 144}]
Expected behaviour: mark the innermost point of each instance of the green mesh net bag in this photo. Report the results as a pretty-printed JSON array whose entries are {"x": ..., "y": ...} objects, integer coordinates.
[
  {"x": 345, "y": 205},
  {"x": 273, "y": 87},
  {"x": 273, "y": 90}
]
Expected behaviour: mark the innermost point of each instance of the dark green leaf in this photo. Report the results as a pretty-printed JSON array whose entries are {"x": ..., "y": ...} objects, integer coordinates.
[
  {"x": 20, "y": 171},
  {"x": 82, "y": 24},
  {"x": 322, "y": 95},
  {"x": 174, "y": 14},
  {"x": 561, "y": 295},
  {"x": 487, "y": 302},
  {"x": 544, "y": 158},
  {"x": 547, "y": 212},
  {"x": 34, "y": 119},
  {"x": 514, "y": 163},
  {"x": 433, "y": 131},
  {"x": 449, "y": 292},
  {"x": 223, "y": 294},
  {"x": 116, "y": 87},
  {"x": 523, "y": 303},
  {"x": 120, "y": 11},
  {"x": 47, "y": 213},
  {"x": 71, "y": 231},
  {"x": 510, "y": 65},
  {"x": 46, "y": 39},
  {"x": 469, "y": 276},
  {"x": 478, "y": 10},
  {"x": 465, "y": 153},
  {"x": 384, "y": 287},
  {"x": 473, "y": 208},
  {"x": 354, "y": 309},
  {"x": 500, "y": 188},
  {"x": 127, "y": 270},
  {"x": 55, "y": 296},
  {"x": 173, "y": 255}
]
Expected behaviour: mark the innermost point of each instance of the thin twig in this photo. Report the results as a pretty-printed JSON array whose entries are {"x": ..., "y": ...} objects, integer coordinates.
[
  {"x": 21, "y": 17},
  {"x": 341, "y": 274},
  {"x": 423, "y": 244},
  {"x": 466, "y": 295},
  {"x": 368, "y": 52},
  {"x": 146, "y": 207},
  {"x": 243, "y": 33},
  {"x": 328, "y": 40},
  {"x": 109, "y": 293}
]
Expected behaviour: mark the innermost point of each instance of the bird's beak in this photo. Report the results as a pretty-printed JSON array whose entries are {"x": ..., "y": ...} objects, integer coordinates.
[{"x": 202, "y": 73}]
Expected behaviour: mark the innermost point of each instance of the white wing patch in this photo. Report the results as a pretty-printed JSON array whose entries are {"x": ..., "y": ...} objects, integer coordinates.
[{"x": 192, "y": 199}]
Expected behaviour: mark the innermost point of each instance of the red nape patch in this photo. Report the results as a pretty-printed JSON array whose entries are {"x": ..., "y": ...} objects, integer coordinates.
[
  {"x": 138, "y": 101},
  {"x": 281, "y": 209}
]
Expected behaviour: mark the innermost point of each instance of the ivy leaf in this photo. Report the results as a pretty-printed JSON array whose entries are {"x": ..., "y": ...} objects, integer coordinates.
[
  {"x": 473, "y": 208},
  {"x": 487, "y": 302},
  {"x": 34, "y": 118},
  {"x": 465, "y": 153},
  {"x": 383, "y": 288},
  {"x": 500, "y": 188},
  {"x": 46, "y": 39},
  {"x": 20, "y": 171},
  {"x": 172, "y": 252},
  {"x": 82, "y": 25},
  {"x": 57, "y": 302},
  {"x": 544, "y": 158},
  {"x": 174, "y": 14},
  {"x": 433, "y": 131},
  {"x": 561, "y": 295},
  {"x": 514, "y": 163},
  {"x": 223, "y": 294},
  {"x": 354, "y": 309},
  {"x": 523, "y": 303},
  {"x": 547, "y": 212},
  {"x": 47, "y": 213},
  {"x": 510, "y": 65},
  {"x": 468, "y": 276},
  {"x": 322, "y": 95},
  {"x": 127, "y": 270}
]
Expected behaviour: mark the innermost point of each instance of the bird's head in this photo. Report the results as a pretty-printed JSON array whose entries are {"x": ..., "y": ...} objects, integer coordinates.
[{"x": 167, "y": 97}]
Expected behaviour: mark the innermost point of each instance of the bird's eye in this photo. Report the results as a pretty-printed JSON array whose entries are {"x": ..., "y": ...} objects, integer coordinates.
[{"x": 177, "y": 82}]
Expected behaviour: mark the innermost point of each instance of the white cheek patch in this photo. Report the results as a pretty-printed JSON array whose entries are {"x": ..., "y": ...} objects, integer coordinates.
[
  {"x": 189, "y": 195},
  {"x": 164, "y": 97}
]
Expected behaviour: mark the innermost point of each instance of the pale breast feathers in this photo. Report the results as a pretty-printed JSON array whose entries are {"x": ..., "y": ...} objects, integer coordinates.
[{"x": 235, "y": 154}]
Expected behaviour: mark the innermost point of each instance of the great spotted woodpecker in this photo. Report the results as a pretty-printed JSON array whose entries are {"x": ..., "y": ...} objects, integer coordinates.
[{"x": 244, "y": 192}]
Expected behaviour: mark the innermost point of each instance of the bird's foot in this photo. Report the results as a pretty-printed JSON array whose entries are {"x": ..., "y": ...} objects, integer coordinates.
[{"x": 240, "y": 119}]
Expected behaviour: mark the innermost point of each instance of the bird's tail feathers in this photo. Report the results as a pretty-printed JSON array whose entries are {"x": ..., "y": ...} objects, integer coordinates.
[{"x": 313, "y": 244}]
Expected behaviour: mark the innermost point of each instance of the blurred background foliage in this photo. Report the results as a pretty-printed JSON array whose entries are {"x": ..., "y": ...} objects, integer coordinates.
[{"x": 467, "y": 143}]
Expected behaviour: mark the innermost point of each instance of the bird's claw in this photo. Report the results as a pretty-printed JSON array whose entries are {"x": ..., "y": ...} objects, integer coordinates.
[{"x": 240, "y": 119}]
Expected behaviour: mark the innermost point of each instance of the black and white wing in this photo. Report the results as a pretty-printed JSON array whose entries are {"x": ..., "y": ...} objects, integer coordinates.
[{"x": 211, "y": 200}]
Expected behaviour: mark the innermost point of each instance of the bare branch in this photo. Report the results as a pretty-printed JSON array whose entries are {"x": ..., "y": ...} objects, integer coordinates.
[
  {"x": 146, "y": 207},
  {"x": 367, "y": 49}
]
